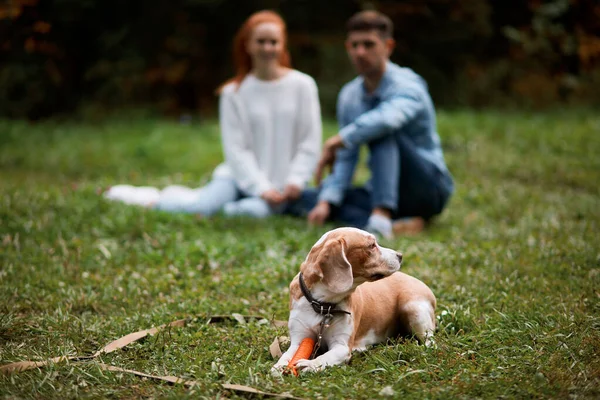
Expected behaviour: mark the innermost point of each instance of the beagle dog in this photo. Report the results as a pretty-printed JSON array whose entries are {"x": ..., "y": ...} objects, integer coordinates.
[{"x": 349, "y": 295}]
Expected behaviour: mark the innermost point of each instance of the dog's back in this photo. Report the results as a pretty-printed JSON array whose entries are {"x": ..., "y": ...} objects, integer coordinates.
[{"x": 398, "y": 303}]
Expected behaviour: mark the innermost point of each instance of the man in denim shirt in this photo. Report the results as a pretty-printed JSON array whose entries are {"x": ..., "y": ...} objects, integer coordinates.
[{"x": 389, "y": 109}]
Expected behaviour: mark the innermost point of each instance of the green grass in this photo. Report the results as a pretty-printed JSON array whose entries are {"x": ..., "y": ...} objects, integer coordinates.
[{"x": 514, "y": 262}]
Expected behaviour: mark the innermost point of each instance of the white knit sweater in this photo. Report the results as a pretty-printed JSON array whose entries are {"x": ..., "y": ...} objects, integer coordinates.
[{"x": 271, "y": 132}]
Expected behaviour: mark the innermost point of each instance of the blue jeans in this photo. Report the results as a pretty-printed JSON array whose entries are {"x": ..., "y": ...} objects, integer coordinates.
[
  {"x": 401, "y": 180},
  {"x": 384, "y": 164},
  {"x": 219, "y": 195}
]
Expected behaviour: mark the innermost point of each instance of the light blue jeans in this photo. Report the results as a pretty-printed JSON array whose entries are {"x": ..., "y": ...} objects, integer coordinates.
[{"x": 219, "y": 195}]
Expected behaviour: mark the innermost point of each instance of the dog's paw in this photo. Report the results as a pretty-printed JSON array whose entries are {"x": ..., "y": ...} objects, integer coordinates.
[
  {"x": 305, "y": 366},
  {"x": 278, "y": 370}
]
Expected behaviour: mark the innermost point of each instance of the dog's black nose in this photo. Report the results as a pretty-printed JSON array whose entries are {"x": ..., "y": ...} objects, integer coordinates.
[{"x": 399, "y": 255}]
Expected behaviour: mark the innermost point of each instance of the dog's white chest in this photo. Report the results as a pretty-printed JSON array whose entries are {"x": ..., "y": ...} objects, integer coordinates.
[{"x": 303, "y": 318}]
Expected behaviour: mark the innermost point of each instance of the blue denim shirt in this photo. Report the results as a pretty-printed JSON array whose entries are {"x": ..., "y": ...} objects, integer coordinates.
[{"x": 400, "y": 105}]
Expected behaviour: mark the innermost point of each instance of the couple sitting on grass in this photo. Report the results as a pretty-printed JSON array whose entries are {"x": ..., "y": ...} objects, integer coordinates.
[{"x": 271, "y": 133}]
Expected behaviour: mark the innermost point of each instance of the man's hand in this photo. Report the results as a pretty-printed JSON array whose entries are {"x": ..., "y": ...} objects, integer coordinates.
[
  {"x": 273, "y": 197},
  {"x": 328, "y": 156},
  {"x": 292, "y": 192},
  {"x": 319, "y": 214}
]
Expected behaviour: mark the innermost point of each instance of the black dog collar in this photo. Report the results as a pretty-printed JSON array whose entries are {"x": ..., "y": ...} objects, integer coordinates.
[{"x": 320, "y": 307}]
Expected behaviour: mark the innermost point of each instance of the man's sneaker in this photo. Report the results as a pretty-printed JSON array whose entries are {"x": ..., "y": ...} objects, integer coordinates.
[{"x": 380, "y": 226}]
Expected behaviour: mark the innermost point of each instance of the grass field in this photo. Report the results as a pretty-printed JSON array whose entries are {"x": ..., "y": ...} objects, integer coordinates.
[{"x": 514, "y": 262}]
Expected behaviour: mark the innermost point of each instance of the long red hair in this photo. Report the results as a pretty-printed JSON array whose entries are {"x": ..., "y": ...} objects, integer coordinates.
[{"x": 241, "y": 58}]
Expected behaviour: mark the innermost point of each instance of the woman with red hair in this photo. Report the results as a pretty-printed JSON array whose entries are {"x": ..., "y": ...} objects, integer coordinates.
[{"x": 270, "y": 125}]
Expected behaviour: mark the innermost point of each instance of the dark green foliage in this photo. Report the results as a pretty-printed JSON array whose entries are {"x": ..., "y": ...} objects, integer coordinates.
[{"x": 58, "y": 56}]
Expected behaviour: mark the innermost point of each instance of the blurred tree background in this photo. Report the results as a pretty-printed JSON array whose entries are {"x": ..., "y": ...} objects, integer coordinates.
[{"x": 64, "y": 56}]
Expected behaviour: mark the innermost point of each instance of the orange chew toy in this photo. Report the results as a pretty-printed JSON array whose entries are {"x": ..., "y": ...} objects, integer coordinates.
[{"x": 303, "y": 353}]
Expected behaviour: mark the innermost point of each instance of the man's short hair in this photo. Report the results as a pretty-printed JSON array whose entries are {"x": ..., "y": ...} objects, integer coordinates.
[{"x": 371, "y": 20}]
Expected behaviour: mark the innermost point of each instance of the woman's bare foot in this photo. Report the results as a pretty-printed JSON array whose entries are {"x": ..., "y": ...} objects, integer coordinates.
[{"x": 408, "y": 226}]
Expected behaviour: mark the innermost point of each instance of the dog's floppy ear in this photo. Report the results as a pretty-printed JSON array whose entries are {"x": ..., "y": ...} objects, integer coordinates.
[{"x": 337, "y": 271}]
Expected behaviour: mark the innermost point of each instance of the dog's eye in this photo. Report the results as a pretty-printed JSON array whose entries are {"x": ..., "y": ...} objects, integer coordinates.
[{"x": 373, "y": 245}]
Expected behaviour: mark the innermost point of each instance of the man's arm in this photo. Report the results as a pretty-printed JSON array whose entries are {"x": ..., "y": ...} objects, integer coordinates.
[
  {"x": 344, "y": 158},
  {"x": 391, "y": 114},
  {"x": 340, "y": 178},
  {"x": 334, "y": 187}
]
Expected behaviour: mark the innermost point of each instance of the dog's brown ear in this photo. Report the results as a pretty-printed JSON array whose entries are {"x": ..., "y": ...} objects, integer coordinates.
[{"x": 337, "y": 271}]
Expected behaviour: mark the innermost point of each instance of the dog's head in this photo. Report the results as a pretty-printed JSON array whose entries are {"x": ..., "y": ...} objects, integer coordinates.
[{"x": 346, "y": 257}]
